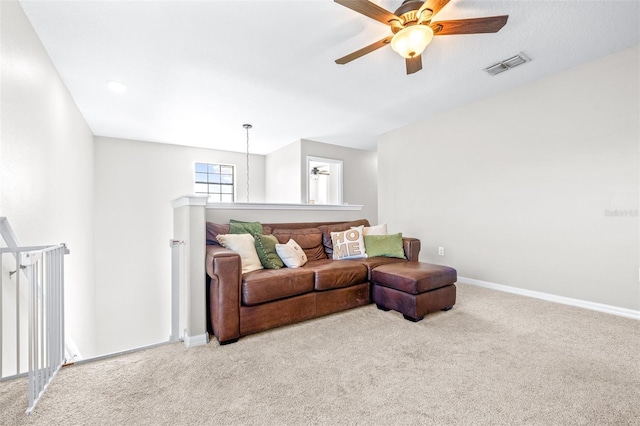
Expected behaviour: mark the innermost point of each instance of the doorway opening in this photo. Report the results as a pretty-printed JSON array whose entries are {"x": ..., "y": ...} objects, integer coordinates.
[{"x": 324, "y": 177}]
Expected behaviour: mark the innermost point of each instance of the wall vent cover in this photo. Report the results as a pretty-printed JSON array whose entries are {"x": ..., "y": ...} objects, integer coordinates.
[{"x": 507, "y": 64}]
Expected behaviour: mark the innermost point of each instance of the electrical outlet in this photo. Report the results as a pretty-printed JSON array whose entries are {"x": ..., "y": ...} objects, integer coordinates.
[{"x": 440, "y": 251}]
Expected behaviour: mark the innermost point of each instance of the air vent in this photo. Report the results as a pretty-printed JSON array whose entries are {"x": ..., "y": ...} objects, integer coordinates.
[{"x": 507, "y": 64}]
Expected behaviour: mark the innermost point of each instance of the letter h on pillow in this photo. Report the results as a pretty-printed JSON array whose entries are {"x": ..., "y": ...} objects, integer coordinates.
[{"x": 348, "y": 244}]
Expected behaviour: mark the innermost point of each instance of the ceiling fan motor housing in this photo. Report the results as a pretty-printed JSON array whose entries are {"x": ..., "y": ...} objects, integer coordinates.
[{"x": 408, "y": 13}]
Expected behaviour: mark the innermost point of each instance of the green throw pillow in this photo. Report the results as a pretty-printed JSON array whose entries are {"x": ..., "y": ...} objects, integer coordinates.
[
  {"x": 384, "y": 245},
  {"x": 266, "y": 248},
  {"x": 239, "y": 227}
]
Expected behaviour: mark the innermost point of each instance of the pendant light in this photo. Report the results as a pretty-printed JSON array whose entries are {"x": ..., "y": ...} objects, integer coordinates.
[{"x": 247, "y": 127}]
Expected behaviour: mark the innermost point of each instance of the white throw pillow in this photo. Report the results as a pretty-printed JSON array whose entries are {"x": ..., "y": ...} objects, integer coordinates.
[
  {"x": 374, "y": 230},
  {"x": 291, "y": 254},
  {"x": 244, "y": 245},
  {"x": 348, "y": 244}
]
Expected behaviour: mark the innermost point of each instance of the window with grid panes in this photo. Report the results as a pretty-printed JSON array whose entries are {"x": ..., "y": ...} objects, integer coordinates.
[{"x": 215, "y": 180}]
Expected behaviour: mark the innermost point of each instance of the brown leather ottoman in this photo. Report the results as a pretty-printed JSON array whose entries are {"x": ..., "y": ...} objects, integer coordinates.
[{"x": 413, "y": 288}]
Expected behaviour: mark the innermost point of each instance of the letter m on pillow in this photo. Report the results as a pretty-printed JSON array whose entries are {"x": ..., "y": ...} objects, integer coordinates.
[{"x": 340, "y": 251}]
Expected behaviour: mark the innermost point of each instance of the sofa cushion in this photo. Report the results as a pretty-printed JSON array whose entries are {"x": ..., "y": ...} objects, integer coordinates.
[
  {"x": 309, "y": 239},
  {"x": 272, "y": 284},
  {"x": 414, "y": 277},
  {"x": 328, "y": 229},
  {"x": 331, "y": 274},
  {"x": 373, "y": 262}
]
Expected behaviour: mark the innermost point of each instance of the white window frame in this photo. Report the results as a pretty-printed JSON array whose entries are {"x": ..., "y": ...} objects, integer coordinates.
[{"x": 214, "y": 196}]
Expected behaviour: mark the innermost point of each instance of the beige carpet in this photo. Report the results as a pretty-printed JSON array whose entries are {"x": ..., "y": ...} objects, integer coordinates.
[{"x": 496, "y": 359}]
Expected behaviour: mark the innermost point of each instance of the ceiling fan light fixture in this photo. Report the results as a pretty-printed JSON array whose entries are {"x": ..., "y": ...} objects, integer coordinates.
[{"x": 411, "y": 41}]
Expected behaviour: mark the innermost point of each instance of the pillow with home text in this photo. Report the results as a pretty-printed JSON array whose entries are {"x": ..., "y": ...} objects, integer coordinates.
[{"x": 348, "y": 244}]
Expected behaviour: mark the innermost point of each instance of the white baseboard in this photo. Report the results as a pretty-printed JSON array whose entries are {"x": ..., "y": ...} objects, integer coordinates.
[
  {"x": 118, "y": 353},
  {"x": 615, "y": 310},
  {"x": 198, "y": 340},
  {"x": 72, "y": 353}
]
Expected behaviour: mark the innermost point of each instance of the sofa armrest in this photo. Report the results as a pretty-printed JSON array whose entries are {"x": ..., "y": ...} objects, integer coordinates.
[
  {"x": 411, "y": 248},
  {"x": 224, "y": 267}
]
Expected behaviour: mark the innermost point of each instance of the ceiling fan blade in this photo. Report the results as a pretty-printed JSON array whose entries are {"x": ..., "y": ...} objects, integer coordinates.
[
  {"x": 368, "y": 49},
  {"x": 414, "y": 64},
  {"x": 433, "y": 5},
  {"x": 491, "y": 24},
  {"x": 369, "y": 9}
]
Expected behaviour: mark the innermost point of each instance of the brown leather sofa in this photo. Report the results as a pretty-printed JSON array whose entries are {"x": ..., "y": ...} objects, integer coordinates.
[{"x": 241, "y": 304}]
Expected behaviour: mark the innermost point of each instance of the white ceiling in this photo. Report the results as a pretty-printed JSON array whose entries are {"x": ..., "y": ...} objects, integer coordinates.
[{"x": 197, "y": 70}]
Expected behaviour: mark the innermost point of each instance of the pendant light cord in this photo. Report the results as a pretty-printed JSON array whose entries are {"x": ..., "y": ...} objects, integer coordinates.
[{"x": 247, "y": 127}]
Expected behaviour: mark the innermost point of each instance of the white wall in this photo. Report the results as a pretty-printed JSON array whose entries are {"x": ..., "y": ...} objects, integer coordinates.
[
  {"x": 283, "y": 170},
  {"x": 359, "y": 174},
  {"x": 287, "y": 179},
  {"x": 517, "y": 187},
  {"x": 46, "y": 165},
  {"x": 134, "y": 185}
]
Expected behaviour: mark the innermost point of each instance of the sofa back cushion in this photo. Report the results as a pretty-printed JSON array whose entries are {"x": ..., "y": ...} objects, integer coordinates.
[
  {"x": 326, "y": 231},
  {"x": 309, "y": 239},
  {"x": 215, "y": 229}
]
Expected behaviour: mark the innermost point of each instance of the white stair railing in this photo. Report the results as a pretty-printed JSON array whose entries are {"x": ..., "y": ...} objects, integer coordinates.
[{"x": 35, "y": 347}]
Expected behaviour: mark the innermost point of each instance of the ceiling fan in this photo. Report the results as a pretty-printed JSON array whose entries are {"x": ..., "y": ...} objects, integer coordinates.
[{"x": 413, "y": 29}]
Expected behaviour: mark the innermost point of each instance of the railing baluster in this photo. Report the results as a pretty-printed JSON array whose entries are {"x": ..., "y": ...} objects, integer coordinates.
[
  {"x": 40, "y": 287},
  {"x": 1, "y": 312},
  {"x": 32, "y": 332},
  {"x": 40, "y": 328},
  {"x": 18, "y": 315},
  {"x": 63, "y": 338},
  {"x": 59, "y": 339},
  {"x": 47, "y": 286},
  {"x": 36, "y": 331}
]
